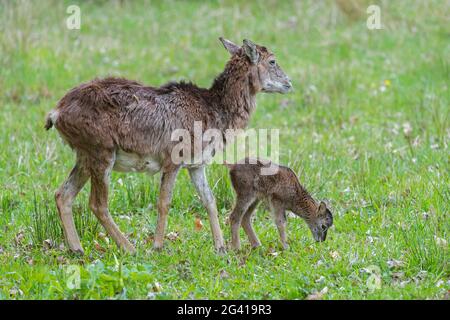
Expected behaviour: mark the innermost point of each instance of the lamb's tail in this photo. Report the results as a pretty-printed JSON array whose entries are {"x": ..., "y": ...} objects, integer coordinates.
[{"x": 51, "y": 119}]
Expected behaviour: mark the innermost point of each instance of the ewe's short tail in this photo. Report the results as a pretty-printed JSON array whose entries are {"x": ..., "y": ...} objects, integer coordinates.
[{"x": 51, "y": 119}]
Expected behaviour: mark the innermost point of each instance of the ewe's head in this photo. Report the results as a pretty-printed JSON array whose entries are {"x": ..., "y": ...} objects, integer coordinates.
[
  {"x": 266, "y": 74},
  {"x": 321, "y": 222}
]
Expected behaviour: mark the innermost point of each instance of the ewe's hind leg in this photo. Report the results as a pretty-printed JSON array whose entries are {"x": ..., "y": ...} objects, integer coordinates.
[
  {"x": 241, "y": 207},
  {"x": 198, "y": 178},
  {"x": 247, "y": 225},
  {"x": 64, "y": 199},
  {"x": 165, "y": 197},
  {"x": 100, "y": 178}
]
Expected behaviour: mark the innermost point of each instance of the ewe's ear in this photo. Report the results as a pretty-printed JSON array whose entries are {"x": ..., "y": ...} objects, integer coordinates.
[
  {"x": 230, "y": 46},
  {"x": 251, "y": 51}
]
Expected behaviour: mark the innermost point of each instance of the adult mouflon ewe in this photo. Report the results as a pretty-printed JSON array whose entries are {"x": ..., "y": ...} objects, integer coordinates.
[{"x": 122, "y": 125}]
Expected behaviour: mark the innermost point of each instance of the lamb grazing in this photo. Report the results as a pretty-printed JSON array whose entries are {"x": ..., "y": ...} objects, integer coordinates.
[
  {"x": 282, "y": 191},
  {"x": 122, "y": 125}
]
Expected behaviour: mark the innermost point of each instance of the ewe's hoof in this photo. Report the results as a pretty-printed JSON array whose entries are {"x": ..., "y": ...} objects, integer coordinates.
[
  {"x": 77, "y": 251},
  {"x": 157, "y": 247},
  {"x": 256, "y": 246}
]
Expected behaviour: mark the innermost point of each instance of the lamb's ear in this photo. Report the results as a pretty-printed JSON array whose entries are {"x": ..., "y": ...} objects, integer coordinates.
[
  {"x": 230, "y": 46},
  {"x": 251, "y": 51},
  {"x": 322, "y": 208}
]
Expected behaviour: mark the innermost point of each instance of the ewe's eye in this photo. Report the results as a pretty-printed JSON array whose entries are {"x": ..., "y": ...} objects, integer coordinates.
[{"x": 272, "y": 62}]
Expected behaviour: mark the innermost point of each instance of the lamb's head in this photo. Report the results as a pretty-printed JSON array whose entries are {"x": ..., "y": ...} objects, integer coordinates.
[
  {"x": 321, "y": 222},
  {"x": 265, "y": 73}
]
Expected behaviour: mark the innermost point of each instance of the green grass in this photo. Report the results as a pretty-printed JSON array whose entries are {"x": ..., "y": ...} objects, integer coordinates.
[{"x": 343, "y": 130}]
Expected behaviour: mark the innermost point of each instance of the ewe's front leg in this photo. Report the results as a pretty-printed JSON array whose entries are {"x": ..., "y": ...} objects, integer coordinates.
[
  {"x": 198, "y": 178},
  {"x": 165, "y": 197}
]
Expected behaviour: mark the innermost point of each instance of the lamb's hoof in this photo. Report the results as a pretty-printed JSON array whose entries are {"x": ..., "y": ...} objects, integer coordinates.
[
  {"x": 236, "y": 249},
  {"x": 130, "y": 250},
  {"x": 126, "y": 246},
  {"x": 157, "y": 247},
  {"x": 221, "y": 250}
]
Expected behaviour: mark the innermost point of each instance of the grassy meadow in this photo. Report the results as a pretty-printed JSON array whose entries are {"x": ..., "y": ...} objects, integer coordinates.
[{"x": 367, "y": 129}]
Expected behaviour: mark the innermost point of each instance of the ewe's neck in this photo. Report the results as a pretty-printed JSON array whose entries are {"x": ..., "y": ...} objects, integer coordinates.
[{"x": 234, "y": 94}]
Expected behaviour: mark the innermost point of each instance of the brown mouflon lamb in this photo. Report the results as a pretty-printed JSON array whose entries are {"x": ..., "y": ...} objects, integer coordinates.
[
  {"x": 122, "y": 125},
  {"x": 282, "y": 191}
]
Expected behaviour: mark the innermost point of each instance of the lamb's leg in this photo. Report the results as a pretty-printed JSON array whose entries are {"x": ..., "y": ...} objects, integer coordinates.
[
  {"x": 280, "y": 220},
  {"x": 100, "y": 178},
  {"x": 64, "y": 199},
  {"x": 165, "y": 196},
  {"x": 198, "y": 178},
  {"x": 242, "y": 205},
  {"x": 247, "y": 225}
]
